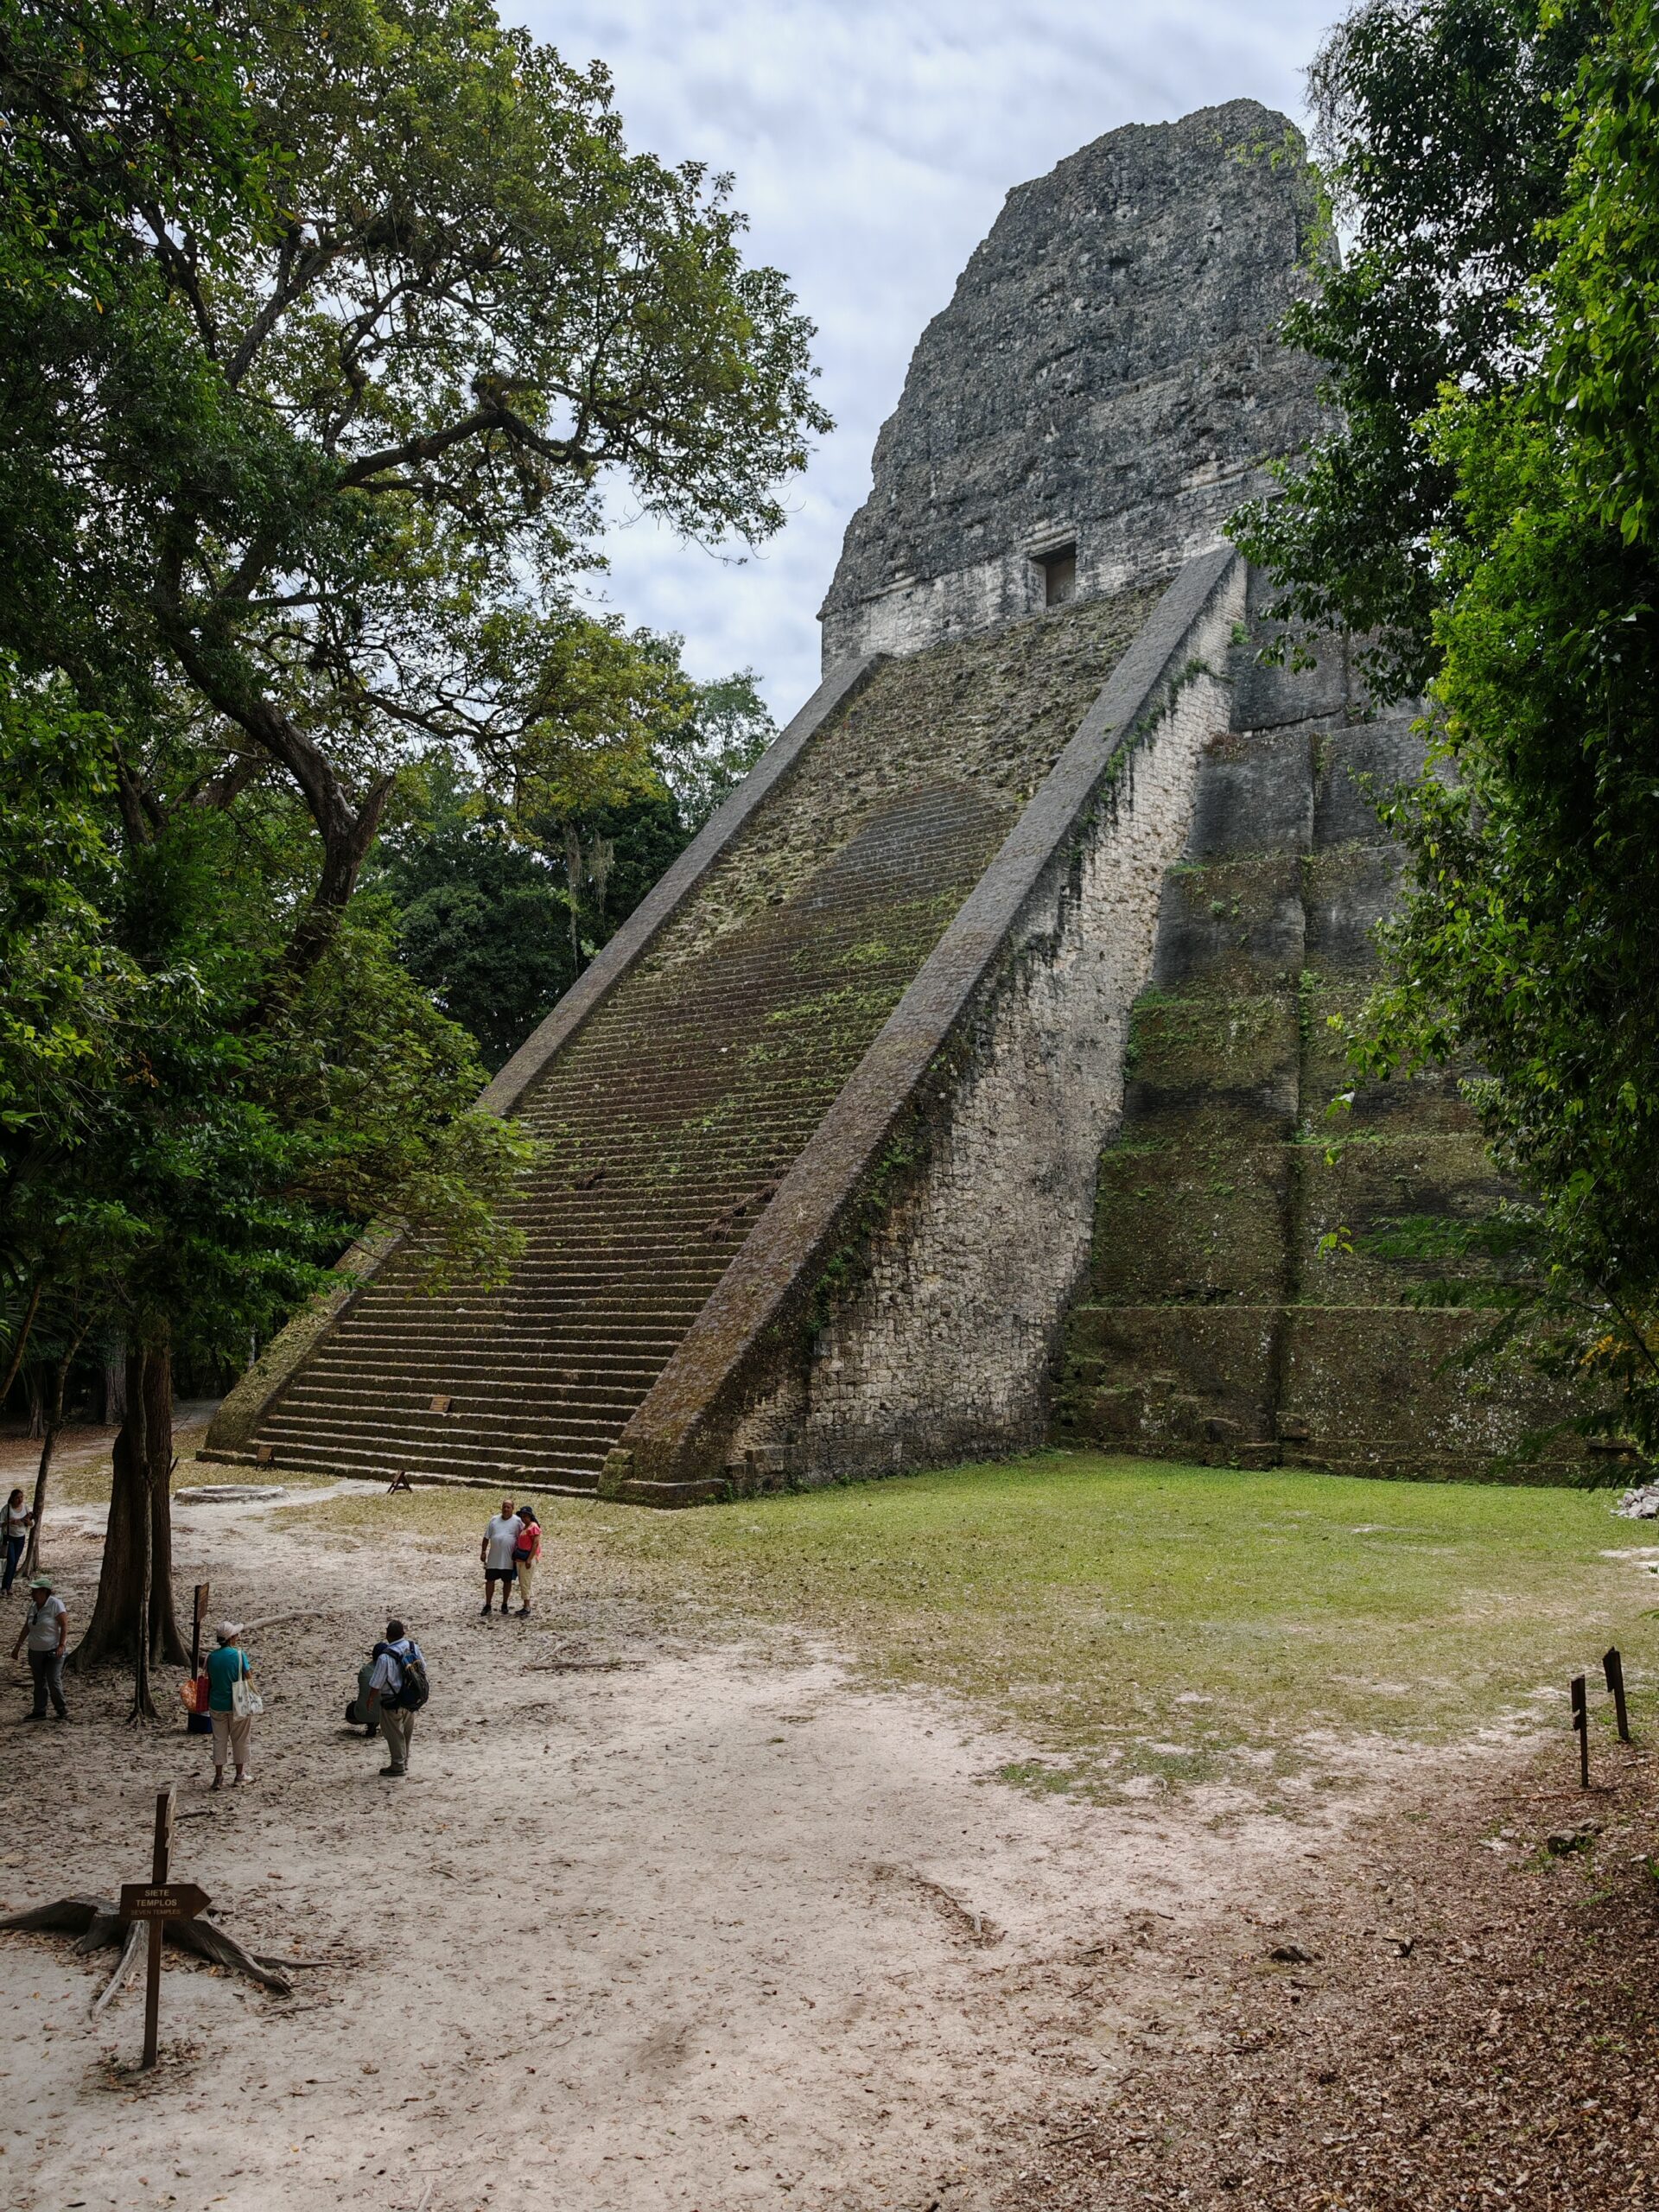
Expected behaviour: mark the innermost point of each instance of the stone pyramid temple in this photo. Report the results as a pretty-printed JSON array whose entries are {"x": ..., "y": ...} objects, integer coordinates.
[{"x": 964, "y": 1086}]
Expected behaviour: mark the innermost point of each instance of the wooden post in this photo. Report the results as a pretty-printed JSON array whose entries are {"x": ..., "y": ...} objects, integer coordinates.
[
  {"x": 1612, "y": 1666},
  {"x": 198, "y": 1724},
  {"x": 158, "y": 1866},
  {"x": 1581, "y": 1722}
]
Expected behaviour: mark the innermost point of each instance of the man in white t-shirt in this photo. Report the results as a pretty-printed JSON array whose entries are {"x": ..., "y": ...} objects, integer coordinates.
[{"x": 496, "y": 1552}]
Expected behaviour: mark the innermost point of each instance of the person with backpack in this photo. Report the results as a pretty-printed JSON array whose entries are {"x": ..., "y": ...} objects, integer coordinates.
[
  {"x": 526, "y": 1550},
  {"x": 397, "y": 1690}
]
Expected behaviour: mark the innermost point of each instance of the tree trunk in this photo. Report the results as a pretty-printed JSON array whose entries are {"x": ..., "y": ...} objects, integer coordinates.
[
  {"x": 141, "y": 1527},
  {"x": 573, "y": 884},
  {"x": 115, "y": 1389},
  {"x": 21, "y": 1345},
  {"x": 144, "y": 1705},
  {"x": 54, "y": 1423},
  {"x": 32, "y": 1548}
]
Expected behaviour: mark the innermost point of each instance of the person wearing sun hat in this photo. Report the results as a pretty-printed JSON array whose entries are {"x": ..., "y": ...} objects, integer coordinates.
[
  {"x": 46, "y": 1631},
  {"x": 227, "y": 1666}
]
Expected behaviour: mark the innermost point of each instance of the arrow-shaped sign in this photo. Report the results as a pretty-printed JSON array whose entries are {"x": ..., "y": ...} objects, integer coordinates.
[{"x": 163, "y": 1900}]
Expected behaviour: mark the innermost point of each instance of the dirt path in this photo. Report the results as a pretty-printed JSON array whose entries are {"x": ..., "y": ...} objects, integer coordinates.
[{"x": 702, "y": 1927}]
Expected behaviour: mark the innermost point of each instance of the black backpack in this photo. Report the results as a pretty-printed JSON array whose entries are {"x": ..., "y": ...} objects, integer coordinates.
[{"x": 414, "y": 1689}]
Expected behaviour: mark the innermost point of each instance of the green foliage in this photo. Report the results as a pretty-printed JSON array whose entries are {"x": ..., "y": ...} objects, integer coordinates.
[
  {"x": 317, "y": 473},
  {"x": 111, "y": 109},
  {"x": 498, "y": 910},
  {"x": 479, "y": 916},
  {"x": 323, "y": 325},
  {"x": 63, "y": 982},
  {"x": 377, "y": 1089},
  {"x": 176, "y": 1172},
  {"x": 727, "y": 728},
  {"x": 1530, "y": 938},
  {"x": 1438, "y": 138}
]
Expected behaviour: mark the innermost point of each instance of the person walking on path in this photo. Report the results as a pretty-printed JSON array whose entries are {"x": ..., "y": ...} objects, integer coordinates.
[
  {"x": 525, "y": 1552},
  {"x": 228, "y": 1667},
  {"x": 500, "y": 1540},
  {"x": 397, "y": 1690},
  {"x": 46, "y": 1631},
  {"x": 18, "y": 1517}
]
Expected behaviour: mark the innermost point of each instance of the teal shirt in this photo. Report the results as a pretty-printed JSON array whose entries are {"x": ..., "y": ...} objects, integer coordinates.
[{"x": 228, "y": 1664}]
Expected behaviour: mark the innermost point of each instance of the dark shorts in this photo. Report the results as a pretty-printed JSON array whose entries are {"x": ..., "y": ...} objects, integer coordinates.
[{"x": 500, "y": 1574}]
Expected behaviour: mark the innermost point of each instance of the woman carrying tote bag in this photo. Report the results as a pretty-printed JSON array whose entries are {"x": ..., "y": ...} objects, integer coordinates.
[{"x": 232, "y": 1703}]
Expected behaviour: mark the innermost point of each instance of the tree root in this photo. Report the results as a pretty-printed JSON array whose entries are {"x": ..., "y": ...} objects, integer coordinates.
[
  {"x": 97, "y": 1923},
  {"x": 132, "y": 1952},
  {"x": 209, "y": 1941}
]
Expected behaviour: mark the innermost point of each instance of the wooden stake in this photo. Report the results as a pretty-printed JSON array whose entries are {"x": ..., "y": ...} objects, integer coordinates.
[
  {"x": 198, "y": 1724},
  {"x": 164, "y": 1804},
  {"x": 1613, "y": 1668},
  {"x": 1581, "y": 1722}
]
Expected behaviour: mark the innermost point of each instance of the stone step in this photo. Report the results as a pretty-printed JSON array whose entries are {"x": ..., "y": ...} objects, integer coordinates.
[
  {"x": 526, "y": 1424},
  {"x": 565, "y": 1482},
  {"x": 693, "y": 1088},
  {"x": 376, "y": 1450}
]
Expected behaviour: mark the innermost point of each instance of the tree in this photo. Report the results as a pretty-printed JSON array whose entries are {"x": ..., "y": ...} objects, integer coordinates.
[
  {"x": 211, "y": 1168},
  {"x": 484, "y": 903},
  {"x": 1437, "y": 136},
  {"x": 327, "y": 471},
  {"x": 322, "y": 325},
  {"x": 1529, "y": 935},
  {"x": 728, "y": 728}
]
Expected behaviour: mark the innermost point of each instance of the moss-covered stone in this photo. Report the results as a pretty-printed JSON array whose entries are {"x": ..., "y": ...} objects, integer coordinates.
[
  {"x": 1371, "y": 1186},
  {"x": 1194, "y": 1217},
  {"x": 1240, "y": 1299},
  {"x": 1189, "y": 1381},
  {"x": 1187, "y": 1049},
  {"x": 1381, "y": 1389},
  {"x": 1232, "y": 925}
]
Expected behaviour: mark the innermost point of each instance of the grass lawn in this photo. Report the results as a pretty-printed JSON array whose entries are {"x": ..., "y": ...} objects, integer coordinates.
[{"x": 1137, "y": 1619}]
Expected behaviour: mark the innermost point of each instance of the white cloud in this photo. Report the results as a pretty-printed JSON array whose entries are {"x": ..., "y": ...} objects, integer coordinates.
[{"x": 873, "y": 145}]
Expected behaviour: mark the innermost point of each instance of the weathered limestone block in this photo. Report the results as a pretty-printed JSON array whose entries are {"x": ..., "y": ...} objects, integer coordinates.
[
  {"x": 1105, "y": 378},
  {"x": 1232, "y": 925},
  {"x": 1204, "y": 1053},
  {"x": 1197, "y": 1217},
  {"x": 1378, "y": 1390}
]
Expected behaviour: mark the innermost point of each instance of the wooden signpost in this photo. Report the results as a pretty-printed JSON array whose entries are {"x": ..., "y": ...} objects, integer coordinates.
[
  {"x": 157, "y": 1901},
  {"x": 1612, "y": 1666},
  {"x": 1581, "y": 1723}
]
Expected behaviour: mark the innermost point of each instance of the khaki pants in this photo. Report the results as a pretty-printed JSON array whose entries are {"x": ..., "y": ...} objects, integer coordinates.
[
  {"x": 397, "y": 1726},
  {"x": 526, "y": 1576},
  {"x": 232, "y": 1730}
]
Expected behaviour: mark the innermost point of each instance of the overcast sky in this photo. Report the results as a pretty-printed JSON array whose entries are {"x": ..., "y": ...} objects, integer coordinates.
[{"x": 873, "y": 143}]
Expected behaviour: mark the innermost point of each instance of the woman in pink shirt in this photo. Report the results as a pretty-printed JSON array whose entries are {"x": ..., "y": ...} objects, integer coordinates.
[{"x": 526, "y": 1550}]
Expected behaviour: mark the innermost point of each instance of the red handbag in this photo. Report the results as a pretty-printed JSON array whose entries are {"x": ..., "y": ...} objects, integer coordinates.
[{"x": 192, "y": 1694}]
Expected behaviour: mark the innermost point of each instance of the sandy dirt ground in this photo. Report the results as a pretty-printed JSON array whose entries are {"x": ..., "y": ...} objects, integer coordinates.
[{"x": 652, "y": 1924}]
